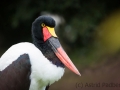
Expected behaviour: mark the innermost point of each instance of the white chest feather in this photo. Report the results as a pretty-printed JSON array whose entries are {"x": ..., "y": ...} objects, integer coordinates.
[{"x": 43, "y": 72}]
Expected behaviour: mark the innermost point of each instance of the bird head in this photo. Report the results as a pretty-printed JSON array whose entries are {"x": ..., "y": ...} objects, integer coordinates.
[{"x": 43, "y": 32}]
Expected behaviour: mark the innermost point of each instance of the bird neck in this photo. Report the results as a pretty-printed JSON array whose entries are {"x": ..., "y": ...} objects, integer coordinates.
[{"x": 45, "y": 48}]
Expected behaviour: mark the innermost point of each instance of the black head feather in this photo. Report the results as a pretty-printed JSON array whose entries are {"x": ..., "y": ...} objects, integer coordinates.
[{"x": 37, "y": 28}]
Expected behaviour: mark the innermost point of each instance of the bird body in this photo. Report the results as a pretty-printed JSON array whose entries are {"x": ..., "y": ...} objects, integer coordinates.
[
  {"x": 42, "y": 70},
  {"x": 35, "y": 66}
]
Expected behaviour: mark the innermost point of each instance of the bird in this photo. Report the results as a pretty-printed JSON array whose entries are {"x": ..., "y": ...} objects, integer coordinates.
[{"x": 38, "y": 64}]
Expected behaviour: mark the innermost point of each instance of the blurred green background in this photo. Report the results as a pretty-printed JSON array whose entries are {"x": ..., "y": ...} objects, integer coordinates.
[{"x": 89, "y": 31}]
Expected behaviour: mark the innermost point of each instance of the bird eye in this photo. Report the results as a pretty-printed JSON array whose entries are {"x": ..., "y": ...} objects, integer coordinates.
[{"x": 43, "y": 25}]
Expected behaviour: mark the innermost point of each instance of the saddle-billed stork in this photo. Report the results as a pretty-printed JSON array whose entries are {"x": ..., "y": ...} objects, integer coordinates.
[{"x": 35, "y": 66}]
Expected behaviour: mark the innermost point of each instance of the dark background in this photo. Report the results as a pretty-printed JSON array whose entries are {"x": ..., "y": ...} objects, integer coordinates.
[{"x": 89, "y": 31}]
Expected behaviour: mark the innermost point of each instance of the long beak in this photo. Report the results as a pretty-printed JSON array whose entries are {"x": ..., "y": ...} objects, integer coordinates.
[{"x": 61, "y": 54}]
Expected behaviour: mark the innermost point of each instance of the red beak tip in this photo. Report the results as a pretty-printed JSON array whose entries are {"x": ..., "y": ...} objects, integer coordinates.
[
  {"x": 61, "y": 54},
  {"x": 79, "y": 74}
]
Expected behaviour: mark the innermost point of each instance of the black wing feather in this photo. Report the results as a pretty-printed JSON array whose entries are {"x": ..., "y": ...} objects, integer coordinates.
[{"x": 17, "y": 75}]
